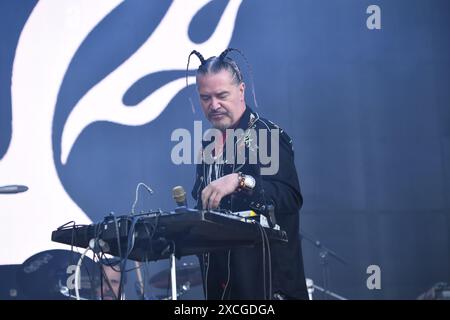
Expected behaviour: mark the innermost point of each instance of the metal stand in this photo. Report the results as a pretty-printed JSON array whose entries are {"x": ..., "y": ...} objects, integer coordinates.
[
  {"x": 324, "y": 252},
  {"x": 173, "y": 276},
  {"x": 311, "y": 287}
]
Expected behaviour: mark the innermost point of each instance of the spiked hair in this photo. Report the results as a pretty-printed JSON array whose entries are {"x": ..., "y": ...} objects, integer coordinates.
[{"x": 222, "y": 62}]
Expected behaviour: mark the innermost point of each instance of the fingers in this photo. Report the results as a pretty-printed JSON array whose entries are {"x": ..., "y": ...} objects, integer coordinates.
[
  {"x": 205, "y": 197},
  {"x": 206, "y": 194},
  {"x": 210, "y": 197},
  {"x": 214, "y": 200},
  {"x": 213, "y": 193}
]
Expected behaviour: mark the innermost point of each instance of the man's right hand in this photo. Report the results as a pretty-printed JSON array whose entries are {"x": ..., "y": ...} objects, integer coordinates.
[{"x": 218, "y": 189}]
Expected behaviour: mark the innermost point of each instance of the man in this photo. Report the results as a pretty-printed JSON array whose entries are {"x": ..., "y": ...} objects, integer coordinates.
[
  {"x": 239, "y": 273},
  {"x": 108, "y": 288}
]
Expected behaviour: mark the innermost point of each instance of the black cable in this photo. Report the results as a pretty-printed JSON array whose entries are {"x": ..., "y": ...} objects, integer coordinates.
[
  {"x": 264, "y": 258},
  {"x": 206, "y": 268},
  {"x": 102, "y": 262},
  {"x": 120, "y": 254},
  {"x": 72, "y": 245},
  {"x": 72, "y": 239},
  {"x": 112, "y": 264},
  {"x": 129, "y": 248},
  {"x": 270, "y": 262},
  {"x": 130, "y": 245},
  {"x": 108, "y": 283},
  {"x": 249, "y": 68},
  {"x": 146, "y": 261},
  {"x": 150, "y": 236},
  {"x": 90, "y": 277},
  {"x": 117, "y": 236},
  {"x": 101, "y": 283}
]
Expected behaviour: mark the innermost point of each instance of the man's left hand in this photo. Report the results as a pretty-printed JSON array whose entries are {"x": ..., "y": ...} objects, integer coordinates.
[{"x": 216, "y": 190}]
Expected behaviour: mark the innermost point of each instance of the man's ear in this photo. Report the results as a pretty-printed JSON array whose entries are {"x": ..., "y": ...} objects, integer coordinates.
[{"x": 242, "y": 90}]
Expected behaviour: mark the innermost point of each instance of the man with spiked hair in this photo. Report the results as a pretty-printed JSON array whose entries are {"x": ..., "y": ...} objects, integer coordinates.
[{"x": 230, "y": 180}]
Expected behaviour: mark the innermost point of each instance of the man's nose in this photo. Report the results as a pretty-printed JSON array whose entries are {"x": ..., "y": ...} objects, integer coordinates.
[{"x": 214, "y": 104}]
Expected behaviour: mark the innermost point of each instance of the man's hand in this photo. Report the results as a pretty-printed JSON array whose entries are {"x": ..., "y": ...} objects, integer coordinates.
[{"x": 216, "y": 190}]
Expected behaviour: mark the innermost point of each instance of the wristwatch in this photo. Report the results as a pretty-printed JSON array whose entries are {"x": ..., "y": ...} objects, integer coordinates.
[{"x": 246, "y": 182}]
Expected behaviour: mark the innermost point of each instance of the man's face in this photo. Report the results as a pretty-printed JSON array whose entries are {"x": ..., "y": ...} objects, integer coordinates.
[
  {"x": 222, "y": 100},
  {"x": 114, "y": 280}
]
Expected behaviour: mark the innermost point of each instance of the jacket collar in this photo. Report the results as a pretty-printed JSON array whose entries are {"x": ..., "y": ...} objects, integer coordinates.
[{"x": 244, "y": 121}]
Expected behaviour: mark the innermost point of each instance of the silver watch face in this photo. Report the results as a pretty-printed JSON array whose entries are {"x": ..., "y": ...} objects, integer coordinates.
[{"x": 249, "y": 182}]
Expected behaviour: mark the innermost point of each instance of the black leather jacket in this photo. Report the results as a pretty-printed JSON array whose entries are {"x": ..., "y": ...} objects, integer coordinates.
[{"x": 244, "y": 277}]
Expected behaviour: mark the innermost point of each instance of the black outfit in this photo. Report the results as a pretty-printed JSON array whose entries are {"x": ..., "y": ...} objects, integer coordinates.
[{"x": 238, "y": 273}]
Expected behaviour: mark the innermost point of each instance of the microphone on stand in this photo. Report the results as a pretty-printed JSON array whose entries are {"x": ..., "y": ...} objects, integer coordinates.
[
  {"x": 13, "y": 189},
  {"x": 179, "y": 195}
]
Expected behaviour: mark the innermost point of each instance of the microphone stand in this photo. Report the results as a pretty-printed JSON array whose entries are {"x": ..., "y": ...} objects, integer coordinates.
[
  {"x": 324, "y": 253},
  {"x": 330, "y": 293},
  {"x": 173, "y": 272}
]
